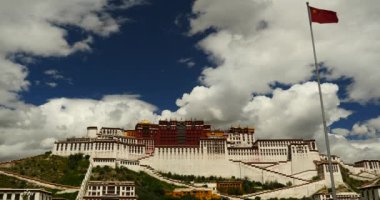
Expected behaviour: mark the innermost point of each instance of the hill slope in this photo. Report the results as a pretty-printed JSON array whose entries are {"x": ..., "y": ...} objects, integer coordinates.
[
  {"x": 56, "y": 169},
  {"x": 147, "y": 187}
]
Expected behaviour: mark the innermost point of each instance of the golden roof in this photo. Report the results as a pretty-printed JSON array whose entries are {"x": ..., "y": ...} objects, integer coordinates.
[{"x": 145, "y": 121}]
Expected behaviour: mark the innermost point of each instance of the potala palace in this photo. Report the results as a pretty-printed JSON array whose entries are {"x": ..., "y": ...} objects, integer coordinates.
[{"x": 193, "y": 148}]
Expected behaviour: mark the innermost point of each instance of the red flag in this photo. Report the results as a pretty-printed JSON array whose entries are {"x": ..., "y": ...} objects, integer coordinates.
[{"x": 323, "y": 16}]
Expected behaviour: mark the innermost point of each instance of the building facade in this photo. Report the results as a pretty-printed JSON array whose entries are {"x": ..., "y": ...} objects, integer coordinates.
[
  {"x": 97, "y": 190},
  {"x": 371, "y": 192},
  {"x": 21, "y": 194},
  {"x": 339, "y": 196},
  {"x": 192, "y": 148}
]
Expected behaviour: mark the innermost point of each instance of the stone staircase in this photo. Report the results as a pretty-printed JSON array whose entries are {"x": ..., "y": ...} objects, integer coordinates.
[
  {"x": 300, "y": 186},
  {"x": 271, "y": 171},
  {"x": 85, "y": 180},
  {"x": 152, "y": 172}
]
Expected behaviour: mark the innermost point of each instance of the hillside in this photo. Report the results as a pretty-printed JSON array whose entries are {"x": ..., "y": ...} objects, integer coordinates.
[
  {"x": 56, "y": 169},
  {"x": 147, "y": 187},
  {"x": 70, "y": 171},
  {"x": 10, "y": 182}
]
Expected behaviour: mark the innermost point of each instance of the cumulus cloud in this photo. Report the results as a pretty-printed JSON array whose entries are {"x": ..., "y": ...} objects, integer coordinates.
[
  {"x": 33, "y": 129},
  {"x": 30, "y": 31},
  {"x": 369, "y": 129},
  {"x": 258, "y": 43},
  {"x": 255, "y": 45},
  {"x": 296, "y": 112},
  {"x": 352, "y": 150},
  {"x": 340, "y": 131},
  {"x": 38, "y": 29}
]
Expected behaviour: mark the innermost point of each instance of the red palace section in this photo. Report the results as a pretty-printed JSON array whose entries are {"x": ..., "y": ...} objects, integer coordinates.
[{"x": 172, "y": 133}]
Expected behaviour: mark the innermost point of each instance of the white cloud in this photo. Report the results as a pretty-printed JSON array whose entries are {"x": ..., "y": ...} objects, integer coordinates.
[
  {"x": 52, "y": 84},
  {"x": 296, "y": 112},
  {"x": 187, "y": 61},
  {"x": 291, "y": 113},
  {"x": 29, "y": 31},
  {"x": 12, "y": 80},
  {"x": 54, "y": 74},
  {"x": 32, "y": 129},
  {"x": 38, "y": 29},
  {"x": 367, "y": 129},
  {"x": 340, "y": 131},
  {"x": 352, "y": 150},
  {"x": 258, "y": 43}
]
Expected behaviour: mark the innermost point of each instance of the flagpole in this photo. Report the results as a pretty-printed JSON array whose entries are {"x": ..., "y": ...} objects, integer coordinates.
[{"x": 322, "y": 107}]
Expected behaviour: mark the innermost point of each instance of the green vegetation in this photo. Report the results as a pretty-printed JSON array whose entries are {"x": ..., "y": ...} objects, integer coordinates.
[
  {"x": 192, "y": 178},
  {"x": 253, "y": 186},
  {"x": 56, "y": 169},
  {"x": 248, "y": 186},
  {"x": 11, "y": 182},
  {"x": 353, "y": 183},
  {"x": 147, "y": 187},
  {"x": 316, "y": 178},
  {"x": 68, "y": 196}
]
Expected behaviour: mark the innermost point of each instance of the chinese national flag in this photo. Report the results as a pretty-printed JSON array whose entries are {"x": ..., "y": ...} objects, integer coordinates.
[{"x": 323, "y": 16}]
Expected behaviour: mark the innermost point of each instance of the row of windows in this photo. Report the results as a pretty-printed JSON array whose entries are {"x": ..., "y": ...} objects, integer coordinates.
[
  {"x": 97, "y": 146},
  {"x": 373, "y": 165},
  {"x": 242, "y": 152},
  {"x": 129, "y": 162},
  {"x": 299, "y": 149},
  {"x": 21, "y": 196},
  {"x": 278, "y": 143},
  {"x": 85, "y": 146},
  {"x": 273, "y": 152},
  {"x": 178, "y": 150},
  {"x": 113, "y": 188},
  {"x": 334, "y": 168}
]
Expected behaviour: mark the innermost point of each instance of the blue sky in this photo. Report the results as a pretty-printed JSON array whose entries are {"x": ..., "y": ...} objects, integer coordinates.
[
  {"x": 68, "y": 65},
  {"x": 142, "y": 58}
]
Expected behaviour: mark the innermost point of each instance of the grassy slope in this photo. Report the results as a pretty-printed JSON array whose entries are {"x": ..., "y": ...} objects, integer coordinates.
[
  {"x": 56, "y": 169},
  {"x": 353, "y": 183},
  {"x": 10, "y": 182},
  {"x": 147, "y": 187},
  {"x": 248, "y": 186}
]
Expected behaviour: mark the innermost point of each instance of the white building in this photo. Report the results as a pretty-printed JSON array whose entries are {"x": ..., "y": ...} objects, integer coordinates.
[
  {"x": 215, "y": 153},
  {"x": 97, "y": 190},
  {"x": 21, "y": 194},
  {"x": 371, "y": 192},
  {"x": 339, "y": 196},
  {"x": 240, "y": 137},
  {"x": 372, "y": 166}
]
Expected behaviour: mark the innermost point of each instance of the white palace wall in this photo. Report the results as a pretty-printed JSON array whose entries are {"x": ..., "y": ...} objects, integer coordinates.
[
  {"x": 192, "y": 161},
  {"x": 284, "y": 167},
  {"x": 302, "y": 158},
  {"x": 98, "y": 149}
]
